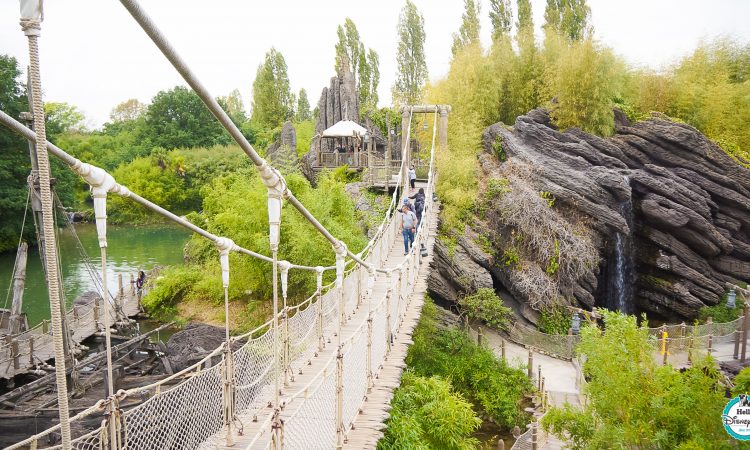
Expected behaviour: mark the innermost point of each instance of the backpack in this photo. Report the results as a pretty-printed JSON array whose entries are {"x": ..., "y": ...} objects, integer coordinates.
[{"x": 419, "y": 207}]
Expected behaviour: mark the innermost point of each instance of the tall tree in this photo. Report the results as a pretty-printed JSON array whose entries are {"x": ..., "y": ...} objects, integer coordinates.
[
  {"x": 128, "y": 110},
  {"x": 569, "y": 18},
  {"x": 63, "y": 118},
  {"x": 234, "y": 107},
  {"x": 351, "y": 53},
  {"x": 525, "y": 23},
  {"x": 369, "y": 78},
  {"x": 501, "y": 17},
  {"x": 178, "y": 118},
  {"x": 468, "y": 33},
  {"x": 272, "y": 97},
  {"x": 14, "y": 159},
  {"x": 303, "y": 106},
  {"x": 410, "y": 58},
  {"x": 348, "y": 47}
]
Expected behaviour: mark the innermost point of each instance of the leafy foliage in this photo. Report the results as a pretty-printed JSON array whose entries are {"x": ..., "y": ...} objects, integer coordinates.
[
  {"x": 235, "y": 205},
  {"x": 485, "y": 305},
  {"x": 179, "y": 119},
  {"x": 489, "y": 383},
  {"x": 568, "y": 18},
  {"x": 303, "y": 107},
  {"x": 364, "y": 64},
  {"x": 14, "y": 160},
  {"x": 468, "y": 33},
  {"x": 272, "y": 98},
  {"x": 635, "y": 403},
  {"x": 410, "y": 57},
  {"x": 428, "y": 414},
  {"x": 742, "y": 382},
  {"x": 501, "y": 16},
  {"x": 721, "y": 313},
  {"x": 554, "y": 320}
]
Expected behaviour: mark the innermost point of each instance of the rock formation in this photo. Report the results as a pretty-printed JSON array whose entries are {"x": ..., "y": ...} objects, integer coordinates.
[
  {"x": 283, "y": 153},
  {"x": 339, "y": 101},
  {"x": 655, "y": 219}
]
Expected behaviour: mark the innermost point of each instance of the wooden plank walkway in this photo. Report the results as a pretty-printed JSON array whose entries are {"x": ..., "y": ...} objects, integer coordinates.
[
  {"x": 24, "y": 351},
  {"x": 255, "y": 432},
  {"x": 369, "y": 425}
]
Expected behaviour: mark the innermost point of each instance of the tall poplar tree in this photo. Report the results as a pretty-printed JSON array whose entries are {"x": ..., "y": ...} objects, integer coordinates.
[
  {"x": 272, "y": 97},
  {"x": 569, "y": 18},
  {"x": 351, "y": 53},
  {"x": 369, "y": 78},
  {"x": 348, "y": 47},
  {"x": 468, "y": 33},
  {"x": 501, "y": 17},
  {"x": 303, "y": 106},
  {"x": 410, "y": 58}
]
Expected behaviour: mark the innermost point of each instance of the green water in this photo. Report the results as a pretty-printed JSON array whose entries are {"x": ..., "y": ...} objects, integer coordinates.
[{"x": 130, "y": 248}]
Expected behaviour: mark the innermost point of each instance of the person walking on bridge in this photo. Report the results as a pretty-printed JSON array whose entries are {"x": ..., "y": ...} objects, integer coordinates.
[
  {"x": 412, "y": 176},
  {"x": 408, "y": 227},
  {"x": 418, "y": 204}
]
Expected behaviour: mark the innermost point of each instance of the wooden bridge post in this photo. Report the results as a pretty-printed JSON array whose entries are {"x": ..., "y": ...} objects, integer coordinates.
[
  {"x": 737, "y": 334},
  {"x": 480, "y": 336},
  {"x": 14, "y": 353},
  {"x": 45, "y": 326},
  {"x": 96, "y": 312},
  {"x": 502, "y": 349},
  {"x": 31, "y": 350},
  {"x": 120, "y": 289},
  {"x": 398, "y": 297},
  {"x": 539, "y": 377},
  {"x": 530, "y": 369},
  {"x": 534, "y": 436},
  {"x": 745, "y": 326}
]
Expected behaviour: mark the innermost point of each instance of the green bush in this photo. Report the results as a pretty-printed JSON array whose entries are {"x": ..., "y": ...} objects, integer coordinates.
[
  {"x": 428, "y": 414},
  {"x": 511, "y": 258},
  {"x": 489, "y": 383},
  {"x": 633, "y": 402},
  {"x": 485, "y": 305},
  {"x": 742, "y": 382},
  {"x": 554, "y": 320},
  {"x": 170, "y": 286},
  {"x": 720, "y": 313}
]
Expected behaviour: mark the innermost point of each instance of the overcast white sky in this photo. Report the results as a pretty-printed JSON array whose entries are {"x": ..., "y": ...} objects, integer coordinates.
[{"x": 94, "y": 56}]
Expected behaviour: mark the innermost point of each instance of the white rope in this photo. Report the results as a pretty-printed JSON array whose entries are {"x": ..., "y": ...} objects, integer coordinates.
[{"x": 32, "y": 29}]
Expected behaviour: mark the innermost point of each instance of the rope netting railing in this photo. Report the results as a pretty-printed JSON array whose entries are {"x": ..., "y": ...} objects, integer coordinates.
[
  {"x": 241, "y": 376},
  {"x": 678, "y": 336}
]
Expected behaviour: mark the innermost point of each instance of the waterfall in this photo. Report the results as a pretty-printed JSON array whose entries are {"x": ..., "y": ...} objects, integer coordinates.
[{"x": 621, "y": 267}]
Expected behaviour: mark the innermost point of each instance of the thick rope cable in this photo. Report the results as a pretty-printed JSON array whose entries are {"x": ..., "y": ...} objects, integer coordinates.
[{"x": 32, "y": 29}]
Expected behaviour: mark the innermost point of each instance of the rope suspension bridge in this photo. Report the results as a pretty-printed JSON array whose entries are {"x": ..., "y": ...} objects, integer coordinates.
[
  {"x": 299, "y": 380},
  {"x": 317, "y": 375}
]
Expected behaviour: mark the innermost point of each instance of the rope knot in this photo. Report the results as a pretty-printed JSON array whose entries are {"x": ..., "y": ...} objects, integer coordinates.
[{"x": 31, "y": 27}]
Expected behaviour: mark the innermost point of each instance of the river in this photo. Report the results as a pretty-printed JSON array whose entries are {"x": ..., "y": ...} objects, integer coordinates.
[{"x": 130, "y": 248}]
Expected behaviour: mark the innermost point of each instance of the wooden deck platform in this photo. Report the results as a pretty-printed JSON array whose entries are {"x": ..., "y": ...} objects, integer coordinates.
[{"x": 25, "y": 351}]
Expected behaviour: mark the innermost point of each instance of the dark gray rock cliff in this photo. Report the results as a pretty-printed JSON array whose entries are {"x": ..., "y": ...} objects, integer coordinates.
[{"x": 667, "y": 211}]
